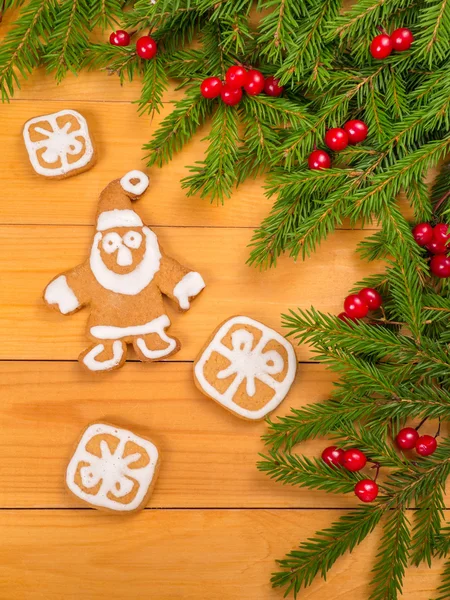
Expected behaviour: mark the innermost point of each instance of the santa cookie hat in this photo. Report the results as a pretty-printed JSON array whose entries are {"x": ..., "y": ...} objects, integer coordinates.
[{"x": 114, "y": 206}]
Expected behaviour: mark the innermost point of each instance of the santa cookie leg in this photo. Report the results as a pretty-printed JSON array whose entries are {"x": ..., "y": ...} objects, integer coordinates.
[{"x": 123, "y": 282}]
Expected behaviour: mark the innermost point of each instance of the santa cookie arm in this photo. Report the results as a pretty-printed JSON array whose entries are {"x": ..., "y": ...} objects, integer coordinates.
[
  {"x": 178, "y": 283},
  {"x": 67, "y": 292}
]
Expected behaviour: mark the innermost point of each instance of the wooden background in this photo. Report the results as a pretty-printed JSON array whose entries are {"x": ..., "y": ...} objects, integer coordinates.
[{"x": 215, "y": 525}]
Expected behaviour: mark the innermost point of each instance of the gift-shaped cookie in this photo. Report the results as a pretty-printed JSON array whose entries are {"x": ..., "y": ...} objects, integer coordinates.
[
  {"x": 59, "y": 145},
  {"x": 113, "y": 469},
  {"x": 247, "y": 367}
]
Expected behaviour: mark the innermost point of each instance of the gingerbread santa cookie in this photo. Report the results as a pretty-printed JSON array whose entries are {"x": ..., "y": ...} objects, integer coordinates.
[
  {"x": 123, "y": 281},
  {"x": 246, "y": 367},
  {"x": 59, "y": 145},
  {"x": 113, "y": 469}
]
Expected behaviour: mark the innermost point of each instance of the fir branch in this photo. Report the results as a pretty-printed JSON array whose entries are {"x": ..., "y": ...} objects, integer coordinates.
[
  {"x": 69, "y": 40},
  {"x": 115, "y": 60},
  {"x": 291, "y": 469},
  {"x": 432, "y": 42},
  {"x": 427, "y": 526},
  {"x": 105, "y": 13},
  {"x": 178, "y": 127},
  {"x": 319, "y": 553},
  {"x": 278, "y": 27},
  {"x": 390, "y": 567},
  {"x": 444, "y": 588},
  {"x": 217, "y": 174},
  {"x": 24, "y": 44},
  {"x": 154, "y": 84}
]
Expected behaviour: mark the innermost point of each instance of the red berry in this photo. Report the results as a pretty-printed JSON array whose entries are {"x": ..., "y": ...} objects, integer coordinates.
[
  {"x": 236, "y": 77},
  {"x": 272, "y": 88},
  {"x": 406, "y": 438},
  {"x": 119, "y": 38},
  {"x": 437, "y": 247},
  {"x": 402, "y": 39},
  {"x": 354, "y": 460},
  {"x": 440, "y": 265},
  {"x": 381, "y": 46},
  {"x": 440, "y": 233},
  {"x": 371, "y": 297},
  {"x": 344, "y": 317},
  {"x": 336, "y": 139},
  {"x": 423, "y": 233},
  {"x": 255, "y": 82},
  {"x": 356, "y": 130},
  {"x": 230, "y": 95},
  {"x": 333, "y": 456},
  {"x": 426, "y": 445},
  {"x": 355, "y": 307},
  {"x": 366, "y": 490},
  {"x": 319, "y": 159},
  {"x": 211, "y": 87},
  {"x": 146, "y": 47}
]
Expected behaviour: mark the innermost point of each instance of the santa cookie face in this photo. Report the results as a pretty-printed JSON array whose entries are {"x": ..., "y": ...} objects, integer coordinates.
[
  {"x": 113, "y": 469},
  {"x": 59, "y": 145},
  {"x": 124, "y": 280},
  {"x": 246, "y": 367}
]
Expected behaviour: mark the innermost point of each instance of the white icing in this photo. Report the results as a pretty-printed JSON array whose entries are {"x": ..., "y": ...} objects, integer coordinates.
[
  {"x": 111, "y": 332},
  {"x": 58, "y": 292},
  {"x": 91, "y": 362},
  {"x": 248, "y": 364},
  {"x": 112, "y": 469},
  {"x": 133, "y": 283},
  {"x": 191, "y": 285},
  {"x": 59, "y": 144},
  {"x": 109, "y": 219},
  {"x": 160, "y": 324},
  {"x": 135, "y": 188}
]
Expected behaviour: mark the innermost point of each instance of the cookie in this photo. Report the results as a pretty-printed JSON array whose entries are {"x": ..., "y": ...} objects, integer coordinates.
[
  {"x": 113, "y": 469},
  {"x": 59, "y": 145},
  {"x": 246, "y": 367},
  {"x": 123, "y": 282}
]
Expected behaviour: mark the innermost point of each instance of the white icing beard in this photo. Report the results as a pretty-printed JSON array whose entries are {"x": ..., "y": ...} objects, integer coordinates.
[{"x": 133, "y": 283}]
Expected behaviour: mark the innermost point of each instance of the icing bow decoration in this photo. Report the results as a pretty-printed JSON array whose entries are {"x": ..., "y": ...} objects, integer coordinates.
[
  {"x": 250, "y": 364},
  {"x": 59, "y": 143},
  {"x": 113, "y": 469}
]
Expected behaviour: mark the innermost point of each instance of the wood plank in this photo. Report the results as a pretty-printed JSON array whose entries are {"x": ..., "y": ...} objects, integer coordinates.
[
  {"x": 32, "y": 255},
  {"x": 163, "y": 555},
  {"x": 209, "y": 456}
]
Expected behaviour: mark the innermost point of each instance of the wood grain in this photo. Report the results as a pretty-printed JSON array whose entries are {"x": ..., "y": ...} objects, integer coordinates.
[
  {"x": 119, "y": 134},
  {"x": 209, "y": 455},
  {"x": 33, "y": 255},
  {"x": 171, "y": 555}
]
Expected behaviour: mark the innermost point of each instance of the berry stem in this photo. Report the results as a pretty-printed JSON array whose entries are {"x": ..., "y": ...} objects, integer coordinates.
[
  {"x": 421, "y": 423},
  {"x": 438, "y": 429},
  {"x": 441, "y": 201},
  {"x": 377, "y": 466}
]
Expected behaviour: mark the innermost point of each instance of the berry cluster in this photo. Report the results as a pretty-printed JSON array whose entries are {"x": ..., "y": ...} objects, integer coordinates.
[
  {"x": 356, "y": 306},
  {"x": 145, "y": 46},
  {"x": 436, "y": 240},
  {"x": 409, "y": 438},
  {"x": 383, "y": 44},
  {"x": 338, "y": 138},
  {"x": 238, "y": 78},
  {"x": 352, "y": 460}
]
